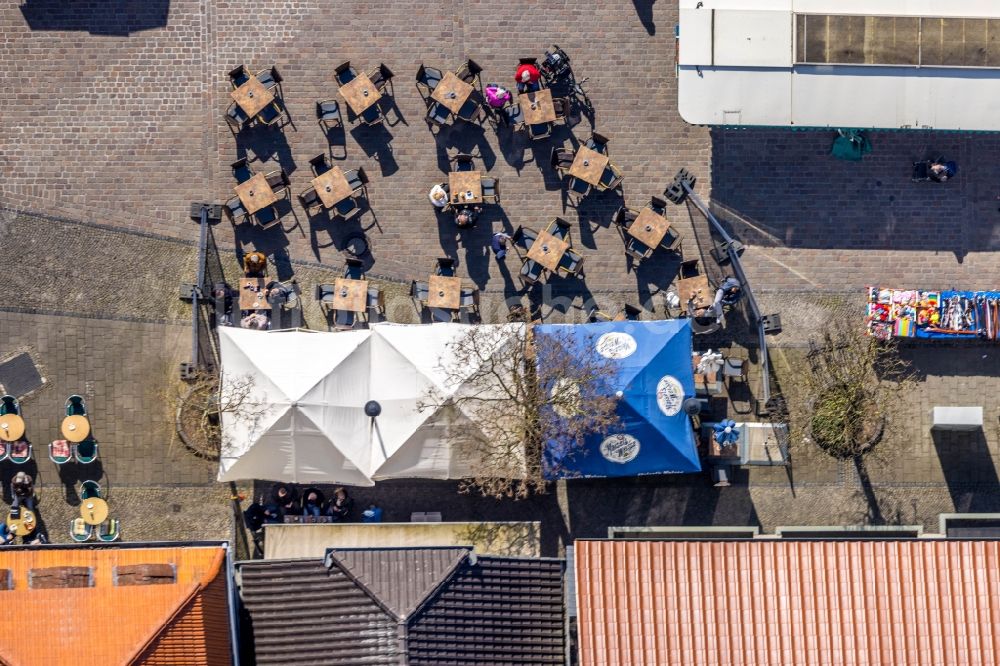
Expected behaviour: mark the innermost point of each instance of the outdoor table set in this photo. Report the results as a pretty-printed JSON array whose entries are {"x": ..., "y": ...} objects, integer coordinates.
[
  {"x": 592, "y": 169},
  {"x": 452, "y": 94},
  {"x": 254, "y": 98},
  {"x": 548, "y": 252},
  {"x": 13, "y": 446},
  {"x": 443, "y": 294}
]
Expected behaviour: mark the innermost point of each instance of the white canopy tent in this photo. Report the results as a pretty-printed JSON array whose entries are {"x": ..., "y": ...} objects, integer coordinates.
[{"x": 303, "y": 418}]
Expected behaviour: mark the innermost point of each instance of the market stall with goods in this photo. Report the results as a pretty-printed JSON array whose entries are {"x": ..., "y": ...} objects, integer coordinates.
[{"x": 913, "y": 313}]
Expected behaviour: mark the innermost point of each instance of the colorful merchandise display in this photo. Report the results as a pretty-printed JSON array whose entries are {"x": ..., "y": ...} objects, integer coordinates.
[{"x": 911, "y": 313}]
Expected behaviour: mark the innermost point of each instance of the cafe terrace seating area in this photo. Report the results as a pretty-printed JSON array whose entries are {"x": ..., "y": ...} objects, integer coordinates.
[{"x": 464, "y": 100}]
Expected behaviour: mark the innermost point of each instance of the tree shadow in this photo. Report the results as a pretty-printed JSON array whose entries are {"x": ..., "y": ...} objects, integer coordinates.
[
  {"x": 969, "y": 470},
  {"x": 644, "y": 9},
  {"x": 112, "y": 17},
  {"x": 874, "y": 515}
]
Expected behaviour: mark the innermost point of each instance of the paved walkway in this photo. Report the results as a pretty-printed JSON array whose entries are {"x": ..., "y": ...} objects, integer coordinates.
[{"x": 131, "y": 132}]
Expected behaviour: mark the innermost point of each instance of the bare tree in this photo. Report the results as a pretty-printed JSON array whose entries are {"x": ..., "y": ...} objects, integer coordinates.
[
  {"x": 199, "y": 406},
  {"x": 524, "y": 395},
  {"x": 854, "y": 383}
]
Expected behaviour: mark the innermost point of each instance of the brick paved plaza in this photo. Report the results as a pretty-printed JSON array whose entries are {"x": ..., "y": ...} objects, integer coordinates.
[{"x": 113, "y": 124}]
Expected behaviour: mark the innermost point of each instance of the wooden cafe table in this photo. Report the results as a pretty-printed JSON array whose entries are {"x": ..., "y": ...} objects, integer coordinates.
[
  {"x": 548, "y": 250},
  {"x": 444, "y": 292},
  {"x": 93, "y": 510},
  {"x": 24, "y": 525},
  {"x": 11, "y": 427},
  {"x": 75, "y": 428},
  {"x": 452, "y": 92},
  {"x": 360, "y": 93},
  {"x": 649, "y": 228},
  {"x": 350, "y": 295},
  {"x": 463, "y": 183},
  {"x": 332, "y": 187},
  {"x": 537, "y": 107},
  {"x": 588, "y": 165},
  {"x": 252, "y": 294},
  {"x": 696, "y": 288},
  {"x": 252, "y": 97},
  {"x": 255, "y": 193}
]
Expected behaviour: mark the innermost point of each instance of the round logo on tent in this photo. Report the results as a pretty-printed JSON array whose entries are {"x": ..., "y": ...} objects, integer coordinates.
[
  {"x": 669, "y": 395},
  {"x": 620, "y": 448},
  {"x": 616, "y": 345}
]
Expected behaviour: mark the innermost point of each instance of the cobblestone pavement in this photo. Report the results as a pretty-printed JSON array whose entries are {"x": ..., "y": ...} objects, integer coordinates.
[
  {"x": 114, "y": 120},
  {"x": 815, "y": 222}
]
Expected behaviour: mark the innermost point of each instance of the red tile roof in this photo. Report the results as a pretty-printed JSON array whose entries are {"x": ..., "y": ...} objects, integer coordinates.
[
  {"x": 183, "y": 622},
  {"x": 788, "y": 602}
]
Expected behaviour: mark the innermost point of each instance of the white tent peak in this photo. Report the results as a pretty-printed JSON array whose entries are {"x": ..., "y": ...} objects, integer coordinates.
[{"x": 312, "y": 387}]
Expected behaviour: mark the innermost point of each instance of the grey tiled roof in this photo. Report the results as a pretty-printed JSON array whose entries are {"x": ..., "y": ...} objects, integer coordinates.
[
  {"x": 399, "y": 579},
  {"x": 303, "y": 613},
  {"x": 406, "y": 605}
]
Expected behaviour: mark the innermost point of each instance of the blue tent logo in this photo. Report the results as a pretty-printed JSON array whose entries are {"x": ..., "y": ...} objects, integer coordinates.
[
  {"x": 669, "y": 395},
  {"x": 616, "y": 345},
  {"x": 620, "y": 448}
]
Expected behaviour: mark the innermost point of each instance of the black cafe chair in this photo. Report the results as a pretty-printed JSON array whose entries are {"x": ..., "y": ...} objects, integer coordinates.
[
  {"x": 241, "y": 170},
  {"x": 320, "y": 164},
  {"x": 523, "y": 238},
  {"x": 427, "y": 80},
  {"x": 328, "y": 114},
  {"x": 239, "y": 76},
  {"x": 381, "y": 77},
  {"x": 236, "y": 118},
  {"x": 270, "y": 78},
  {"x": 344, "y": 73},
  {"x": 438, "y": 114},
  {"x": 469, "y": 71},
  {"x": 531, "y": 272},
  {"x": 598, "y": 143}
]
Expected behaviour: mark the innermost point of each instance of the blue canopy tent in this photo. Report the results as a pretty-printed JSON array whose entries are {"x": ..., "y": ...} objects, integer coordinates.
[{"x": 653, "y": 375}]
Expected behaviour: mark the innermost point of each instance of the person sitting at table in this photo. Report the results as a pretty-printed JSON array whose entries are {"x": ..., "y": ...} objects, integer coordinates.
[
  {"x": 729, "y": 293},
  {"x": 466, "y": 217},
  {"x": 340, "y": 506},
  {"x": 287, "y": 499},
  {"x": 23, "y": 489},
  {"x": 527, "y": 76},
  {"x": 439, "y": 195},
  {"x": 941, "y": 171},
  {"x": 6, "y": 536},
  {"x": 312, "y": 504},
  {"x": 224, "y": 303},
  {"x": 254, "y": 264},
  {"x": 257, "y": 321},
  {"x": 277, "y": 293}
]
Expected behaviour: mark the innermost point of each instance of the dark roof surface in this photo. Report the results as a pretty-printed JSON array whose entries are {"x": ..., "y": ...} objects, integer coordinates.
[
  {"x": 398, "y": 578},
  {"x": 452, "y": 608},
  {"x": 499, "y": 611},
  {"x": 303, "y": 613}
]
